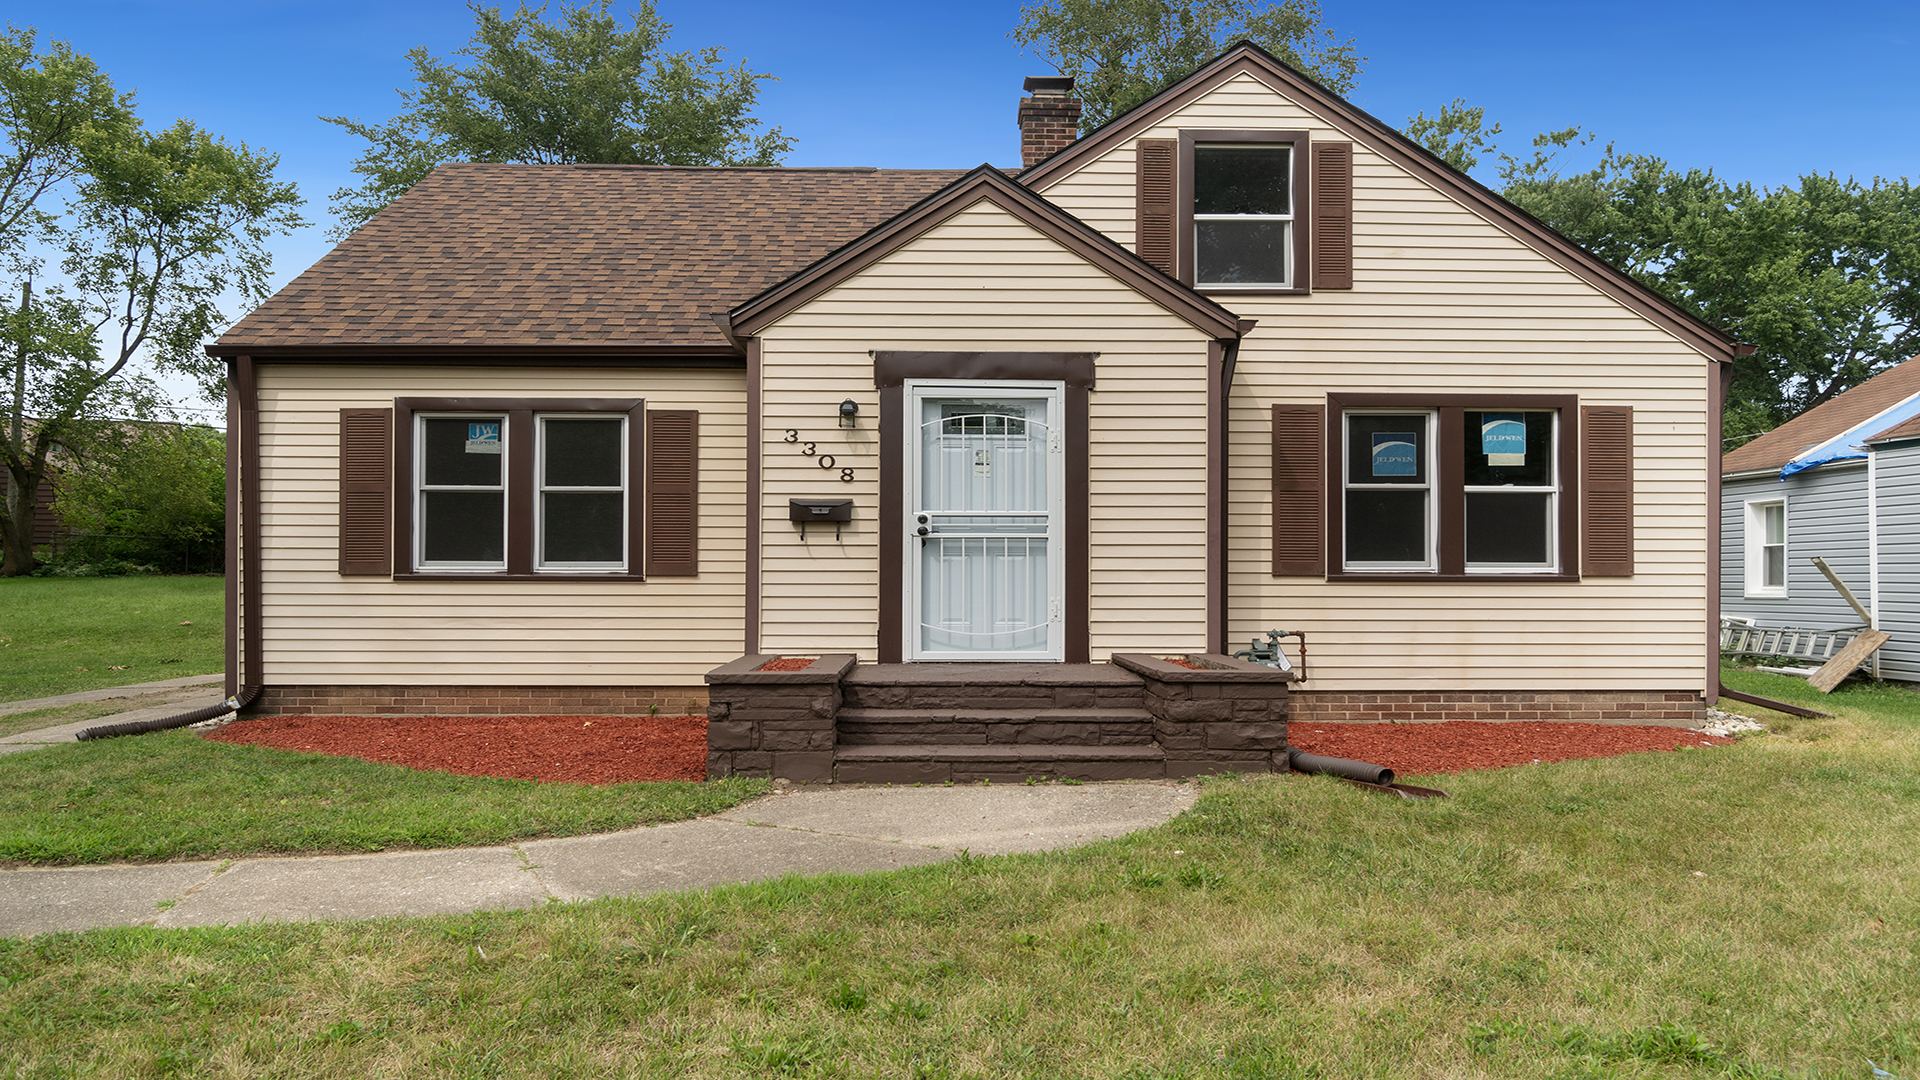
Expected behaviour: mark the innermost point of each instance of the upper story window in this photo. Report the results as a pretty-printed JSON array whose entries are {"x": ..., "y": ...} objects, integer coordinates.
[
  {"x": 1241, "y": 211},
  {"x": 1243, "y": 215}
]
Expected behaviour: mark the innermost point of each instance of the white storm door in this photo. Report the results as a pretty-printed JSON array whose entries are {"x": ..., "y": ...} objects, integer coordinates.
[{"x": 985, "y": 478}]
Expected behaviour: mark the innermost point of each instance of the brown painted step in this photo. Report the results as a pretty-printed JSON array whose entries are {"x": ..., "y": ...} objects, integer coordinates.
[
  {"x": 1003, "y": 763},
  {"x": 959, "y": 726},
  {"x": 1000, "y": 686}
]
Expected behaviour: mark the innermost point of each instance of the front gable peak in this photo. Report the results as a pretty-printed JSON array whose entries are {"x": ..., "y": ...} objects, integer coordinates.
[{"x": 990, "y": 185}]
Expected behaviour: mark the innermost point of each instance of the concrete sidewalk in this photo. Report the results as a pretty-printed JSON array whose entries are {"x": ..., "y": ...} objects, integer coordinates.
[
  {"x": 145, "y": 701},
  {"x": 803, "y": 831}
]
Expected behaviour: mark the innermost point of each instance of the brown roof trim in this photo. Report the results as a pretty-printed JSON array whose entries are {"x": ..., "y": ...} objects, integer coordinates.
[
  {"x": 989, "y": 183},
  {"x": 1363, "y": 127},
  {"x": 648, "y": 354}
]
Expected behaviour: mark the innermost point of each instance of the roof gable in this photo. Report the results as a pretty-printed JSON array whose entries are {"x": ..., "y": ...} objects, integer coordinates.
[
  {"x": 988, "y": 184},
  {"x": 1247, "y": 60}
]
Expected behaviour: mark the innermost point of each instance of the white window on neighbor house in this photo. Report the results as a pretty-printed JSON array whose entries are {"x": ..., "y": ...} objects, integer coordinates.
[{"x": 1766, "y": 552}]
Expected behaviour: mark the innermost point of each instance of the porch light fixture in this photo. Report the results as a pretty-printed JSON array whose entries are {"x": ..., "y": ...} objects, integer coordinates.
[{"x": 848, "y": 410}]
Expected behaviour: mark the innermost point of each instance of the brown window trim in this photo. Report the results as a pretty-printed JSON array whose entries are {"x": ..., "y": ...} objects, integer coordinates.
[
  {"x": 1301, "y": 197},
  {"x": 1449, "y": 482},
  {"x": 519, "y": 413}
]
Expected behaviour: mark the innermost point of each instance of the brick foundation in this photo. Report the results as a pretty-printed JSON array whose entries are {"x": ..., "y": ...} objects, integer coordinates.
[
  {"x": 1585, "y": 706},
  {"x": 480, "y": 701}
]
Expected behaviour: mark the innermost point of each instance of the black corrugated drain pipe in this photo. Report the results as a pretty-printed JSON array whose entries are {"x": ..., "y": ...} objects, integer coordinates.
[
  {"x": 1360, "y": 773},
  {"x": 140, "y": 727}
]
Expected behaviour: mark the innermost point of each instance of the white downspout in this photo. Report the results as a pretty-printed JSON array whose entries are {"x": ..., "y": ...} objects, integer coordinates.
[{"x": 1873, "y": 547}]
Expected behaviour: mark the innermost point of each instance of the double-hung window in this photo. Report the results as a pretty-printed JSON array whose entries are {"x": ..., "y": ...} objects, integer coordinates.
[
  {"x": 1243, "y": 215},
  {"x": 1467, "y": 487},
  {"x": 1766, "y": 547},
  {"x": 460, "y": 482},
  {"x": 522, "y": 487},
  {"x": 581, "y": 517}
]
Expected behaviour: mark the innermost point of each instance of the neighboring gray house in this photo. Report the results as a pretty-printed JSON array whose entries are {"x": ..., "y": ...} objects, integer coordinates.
[{"x": 1840, "y": 482}]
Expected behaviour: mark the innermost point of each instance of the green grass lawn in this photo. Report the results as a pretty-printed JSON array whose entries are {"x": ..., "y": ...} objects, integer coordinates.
[
  {"x": 61, "y": 635},
  {"x": 1740, "y": 912},
  {"x": 174, "y": 795}
]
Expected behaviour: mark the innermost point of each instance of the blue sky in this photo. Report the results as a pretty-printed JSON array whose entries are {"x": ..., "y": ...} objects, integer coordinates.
[{"x": 1759, "y": 90}]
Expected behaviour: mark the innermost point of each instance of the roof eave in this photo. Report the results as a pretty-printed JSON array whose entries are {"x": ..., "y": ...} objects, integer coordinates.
[{"x": 555, "y": 351}]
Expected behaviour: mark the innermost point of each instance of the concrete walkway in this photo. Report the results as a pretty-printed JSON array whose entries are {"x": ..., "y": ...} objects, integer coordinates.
[
  {"x": 799, "y": 831},
  {"x": 144, "y": 701}
]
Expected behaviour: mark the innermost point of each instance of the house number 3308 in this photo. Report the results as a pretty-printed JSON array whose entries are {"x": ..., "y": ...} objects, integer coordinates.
[{"x": 825, "y": 461}]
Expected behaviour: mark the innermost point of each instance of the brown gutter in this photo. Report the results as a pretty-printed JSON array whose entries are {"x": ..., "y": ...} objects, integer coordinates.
[
  {"x": 1217, "y": 495},
  {"x": 700, "y": 355},
  {"x": 1769, "y": 703},
  {"x": 253, "y": 648},
  {"x": 233, "y": 532},
  {"x": 1716, "y": 434},
  {"x": 752, "y": 613}
]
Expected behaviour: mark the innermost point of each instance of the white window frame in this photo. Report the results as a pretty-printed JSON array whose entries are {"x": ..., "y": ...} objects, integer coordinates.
[
  {"x": 1755, "y": 547},
  {"x": 1431, "y": 487},
  {"x": 1552, "y": 565},
  {"x": 541, "y": 489},
  {"x": 421, "y": 488},
  {"x": 1293, "y": 203}
]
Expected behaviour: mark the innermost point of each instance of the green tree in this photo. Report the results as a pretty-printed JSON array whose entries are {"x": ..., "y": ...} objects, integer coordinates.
[
  {"x": 1819, "y": 276},
  {"x": 1122, "y": 52},
  {"x": 148, "y": 493},
  {"x": 135, "y": 237},
  {"x": 585, "y": 89}
]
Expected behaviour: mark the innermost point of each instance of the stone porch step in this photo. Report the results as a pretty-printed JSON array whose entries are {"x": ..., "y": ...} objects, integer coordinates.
[
  {"x": 1000, "y": 686},
  {"x": 958, "y": 726},
  {"x": 1006, "y": 762}
]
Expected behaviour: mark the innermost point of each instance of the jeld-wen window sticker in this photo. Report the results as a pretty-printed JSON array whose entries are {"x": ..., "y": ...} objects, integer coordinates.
[
  {"x": 483, "y": 438},
  {"x": 1393, "y": 454},
  {"x": 1503, "y": 438}
]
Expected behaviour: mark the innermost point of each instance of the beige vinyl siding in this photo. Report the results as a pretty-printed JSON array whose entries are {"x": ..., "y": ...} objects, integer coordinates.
[
  {"x": 324, "y": 629},
  {"x": 1446, "y": 302},
  {"x": 986, "y": 281}
]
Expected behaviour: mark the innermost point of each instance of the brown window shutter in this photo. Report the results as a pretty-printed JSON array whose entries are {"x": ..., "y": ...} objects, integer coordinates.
[
  {"x": 673, "y": 474},
  {"x": 366, "y": 503},
  {"x": 1153, "y": 202},
  {"x": 1299, "y": 476},
  {"x": 1606, "y": 491},
  {"x": 1332, "y": 215}
]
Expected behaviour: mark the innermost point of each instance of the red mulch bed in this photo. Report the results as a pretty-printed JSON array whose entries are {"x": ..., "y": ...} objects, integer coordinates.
[
  {"x": 787, "y": 663},
  {"x": 570, "y": 749},
  {"x": 1459, "y": 745},
  {"x": 1181, "y": 661}
]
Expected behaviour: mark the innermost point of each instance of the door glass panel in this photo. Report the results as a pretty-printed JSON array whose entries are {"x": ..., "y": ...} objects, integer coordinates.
[{"x": 984, "y": 560}]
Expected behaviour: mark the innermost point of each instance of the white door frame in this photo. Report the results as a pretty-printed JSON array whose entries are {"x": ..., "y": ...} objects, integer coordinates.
[{"x": 917, "y": 391}]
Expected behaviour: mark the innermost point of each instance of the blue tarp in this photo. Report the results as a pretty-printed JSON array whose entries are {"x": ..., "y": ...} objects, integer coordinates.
[{"x": 1850, "y": 444}]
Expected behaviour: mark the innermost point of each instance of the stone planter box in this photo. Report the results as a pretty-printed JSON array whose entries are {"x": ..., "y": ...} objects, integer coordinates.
[
  {"x": 1228, "y": 716},
  {"x": 774, "y": 723}
]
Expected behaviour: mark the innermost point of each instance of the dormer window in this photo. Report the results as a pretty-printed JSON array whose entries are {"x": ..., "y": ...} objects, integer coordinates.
[{"x": 1243, "y": 215}]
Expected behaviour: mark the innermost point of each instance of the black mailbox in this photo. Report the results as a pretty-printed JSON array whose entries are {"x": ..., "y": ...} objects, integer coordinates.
[{"x": 821, "y": 510}]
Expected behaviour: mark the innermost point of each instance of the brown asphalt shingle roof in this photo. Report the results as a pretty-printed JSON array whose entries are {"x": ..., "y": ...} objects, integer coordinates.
[
  {"x": 1907, "y": 430},
  {"x": 1815, "y": 426},
  {"x": 546, "y": 255}
]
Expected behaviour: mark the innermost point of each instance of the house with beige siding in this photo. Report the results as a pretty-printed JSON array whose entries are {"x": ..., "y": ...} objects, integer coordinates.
[{"x": 575, "y": 438}]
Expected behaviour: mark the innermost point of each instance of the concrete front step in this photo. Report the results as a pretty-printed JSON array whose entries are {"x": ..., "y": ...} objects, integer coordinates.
[
  {"x": 1003, "y": 763},
  {"x": 1089, "y": 727}
]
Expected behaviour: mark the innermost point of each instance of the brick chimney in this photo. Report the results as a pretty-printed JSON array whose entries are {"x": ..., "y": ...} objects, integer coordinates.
[{"x": 1049, "y": 119}]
